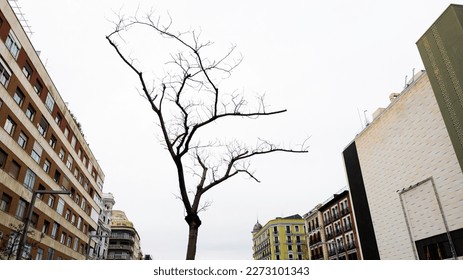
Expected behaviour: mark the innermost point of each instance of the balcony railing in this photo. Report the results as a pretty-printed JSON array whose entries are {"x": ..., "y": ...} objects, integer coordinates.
[
  {"x": 347, "y": 227},
  {"x": 122, "y": 236},
  {"x": 350, "y": 245},
  {"x": 120, "y": 247},
  {"x": 345, "y": 211},
  {"x": 119, "y": 257}
]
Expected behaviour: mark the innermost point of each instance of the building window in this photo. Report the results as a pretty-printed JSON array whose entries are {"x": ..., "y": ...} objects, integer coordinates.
[
  {"x": 29, "y": 180},
  {"x": 79, "y": 222},
  {"x": 3, "y": 156},
  {"x": 21, "y": 210},
  {"x": 42, "y": 126},
  {"x": 10, "y": 125},
  {"x": 57, "y": 176},
  {"x": 73, "y": 141},
  {"x": 5, "y": 203},
  {"x": 18, "y": 97},
  {"x": 69, "y": 162},
  {"x": 39, "y": 254},
  {"x": 73, "y": 219},
  {"x": 76, "y": 243},
  {"x": 69, "y": 241},
  {"x": 46, "y": 166},
  {"x": 66, "y": 132},
  {"x": 22, "y": 140},
  {"x": 61, "y": 154},
  {"x": 62, "y": 238},
  {"x": 54, "y": 230},
  {"x": 38, "y": 87},
  {"x": 290, "y": 256},
  {"x": 60, "y": 207},
  {"x": 296, "y": 228},
  {"x": 36, "y": 152},
  {"x": 45, "y": 227},
  {"x": 52, "y": 141},
  {"x": 50, "y": 254},
  {"x": 68, "y": 214},
  {"x": 12, "y": 44},
  {"x": 58, "y": 119},
  {"x": 5, "y": 74},
  {"x": 51, "y": 201},
  {"x": 14, "y": 169},
  {"x": 30, "y": 113},
  {"x": 49, "y": 102},
  {"x": 290, "y": 247},
  {"x": 27, "y": 70}
]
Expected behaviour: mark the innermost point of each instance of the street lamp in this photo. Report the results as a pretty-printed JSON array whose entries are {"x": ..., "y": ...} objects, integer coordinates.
[{"x": 29, "y": 216}]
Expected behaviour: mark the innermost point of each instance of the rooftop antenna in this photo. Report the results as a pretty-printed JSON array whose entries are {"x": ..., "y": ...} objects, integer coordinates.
[
  {"x": 21, "y": 17},
  {"x": 365, "y": 115}
]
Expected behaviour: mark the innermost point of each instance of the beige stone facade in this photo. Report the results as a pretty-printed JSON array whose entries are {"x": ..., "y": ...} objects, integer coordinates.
[{"x": 41, "y": 148}]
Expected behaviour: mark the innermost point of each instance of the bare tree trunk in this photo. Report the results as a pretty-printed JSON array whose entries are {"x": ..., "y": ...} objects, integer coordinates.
[{"x": 193, "y": 222}]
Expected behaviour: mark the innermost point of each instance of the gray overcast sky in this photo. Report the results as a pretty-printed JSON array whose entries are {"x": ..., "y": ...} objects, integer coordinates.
[{"x": 324, "y": 61}]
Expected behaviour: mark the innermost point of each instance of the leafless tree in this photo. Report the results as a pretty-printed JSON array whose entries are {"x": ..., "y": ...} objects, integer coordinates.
[
  {"x": 186, "y": 102},
  {"x": 8, "y": 248}
]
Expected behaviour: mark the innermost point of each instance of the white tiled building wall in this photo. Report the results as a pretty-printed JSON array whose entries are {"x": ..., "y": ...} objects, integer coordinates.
[{"x": 405, "y": 145}]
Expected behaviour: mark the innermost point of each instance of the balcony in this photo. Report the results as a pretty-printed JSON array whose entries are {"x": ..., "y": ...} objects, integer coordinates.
[
  {"x": 119, "y": 257},
  {"x": 350, "y": 245},
  {"x": 123, "y": 236},
  {"x": 347, "y": 227},
  {"x": 345, "y": 211},
  {"x": 120, "y": 247}
]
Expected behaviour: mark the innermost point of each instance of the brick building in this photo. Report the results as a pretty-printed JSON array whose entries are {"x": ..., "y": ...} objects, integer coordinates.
[{"x": 41, "y": 148}]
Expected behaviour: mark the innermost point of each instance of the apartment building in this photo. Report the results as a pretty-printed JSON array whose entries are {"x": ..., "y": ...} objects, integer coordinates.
[
  {"x": 339, "y": 227},
  {"x": 124, "y": 243},
  {"x": 331, "y": 229},
  {"x": 316, "y": 239},
  {"x": 99, "y": 239},
  {"x": 280, "y": 239},
  {"x": 42, "y": 148}
]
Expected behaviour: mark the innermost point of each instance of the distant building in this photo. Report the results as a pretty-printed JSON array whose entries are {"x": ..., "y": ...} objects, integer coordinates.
[
  {"x": 315, "y": 234},
  {"x": 100, "y": 237},
  {"x": 42, "y": 148},
  {"x": 405, "y": 168},
  {"x": 339, "y": 227},
  {"x": 280, "y": 239},
  {"x": 331, "y": 229},
  {"x": 124, "y": 243}
]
